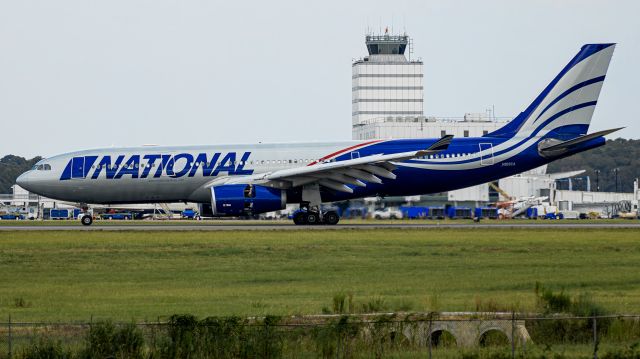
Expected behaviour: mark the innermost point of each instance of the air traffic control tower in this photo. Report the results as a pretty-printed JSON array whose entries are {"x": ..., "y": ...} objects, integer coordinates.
[{"x": 386, "y": 83}]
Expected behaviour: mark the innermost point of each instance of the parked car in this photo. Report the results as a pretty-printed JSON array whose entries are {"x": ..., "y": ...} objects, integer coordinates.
[
  {"x": 190, "y": 213},
  {"x": 387, "y": 213},
  {"x": 117, "y": 216}
]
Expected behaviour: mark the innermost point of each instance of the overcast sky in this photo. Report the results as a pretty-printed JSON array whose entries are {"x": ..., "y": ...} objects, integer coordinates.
[{"x": 85, "y": 74}]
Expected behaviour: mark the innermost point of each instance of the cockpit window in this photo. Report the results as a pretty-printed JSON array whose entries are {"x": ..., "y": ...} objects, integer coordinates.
[{"x": 42, "y": 167}]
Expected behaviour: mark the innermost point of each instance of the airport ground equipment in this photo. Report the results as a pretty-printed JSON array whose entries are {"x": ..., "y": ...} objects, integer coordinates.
[
  {"x": 11, "y": 216},
  {"x": 486, "y": 212},
  {"x": 454, "y": 212},
  {"x": 437, "y": 212},
  {"x": 60, "y": 213},
  {"x": 415, "y": 212}
]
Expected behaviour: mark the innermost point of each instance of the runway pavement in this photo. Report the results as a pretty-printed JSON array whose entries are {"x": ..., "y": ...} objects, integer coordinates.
[{"x": 291, "y": 227}]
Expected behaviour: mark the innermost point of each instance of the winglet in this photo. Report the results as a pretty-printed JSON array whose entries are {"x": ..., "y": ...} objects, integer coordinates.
[{"x": 440, "y": 145}]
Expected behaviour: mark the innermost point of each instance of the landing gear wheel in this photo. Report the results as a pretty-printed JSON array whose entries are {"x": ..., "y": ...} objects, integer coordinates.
[
  {"x": 331, "y": 218},
  {"x": 312, "y": 218},
  {"x": 86, "y": 220},
  {"x": 300, "y": 218}
]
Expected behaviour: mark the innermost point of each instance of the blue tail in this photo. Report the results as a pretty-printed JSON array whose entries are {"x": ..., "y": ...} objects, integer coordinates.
[{"x": 565, "y": 107}]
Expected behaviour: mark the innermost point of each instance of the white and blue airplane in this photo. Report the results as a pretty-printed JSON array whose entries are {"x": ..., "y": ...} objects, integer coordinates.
[{"x": 249, "y": 179}]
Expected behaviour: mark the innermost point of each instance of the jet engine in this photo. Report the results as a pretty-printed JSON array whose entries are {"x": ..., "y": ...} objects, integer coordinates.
[{"x": 246, "y": 199}]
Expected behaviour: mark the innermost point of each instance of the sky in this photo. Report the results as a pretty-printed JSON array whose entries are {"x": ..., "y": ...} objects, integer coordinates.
[{"x": 77, "y": 74}]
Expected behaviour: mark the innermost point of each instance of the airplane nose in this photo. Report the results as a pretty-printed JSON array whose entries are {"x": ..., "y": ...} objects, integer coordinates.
[{"x": 23, "y": 180}]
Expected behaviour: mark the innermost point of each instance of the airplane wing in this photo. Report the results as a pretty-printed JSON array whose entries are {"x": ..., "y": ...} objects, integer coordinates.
[{"x": 337, "y": 175}]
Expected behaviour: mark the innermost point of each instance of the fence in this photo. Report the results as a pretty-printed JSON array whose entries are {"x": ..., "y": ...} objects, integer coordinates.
[{"x": 410, "y": 336}]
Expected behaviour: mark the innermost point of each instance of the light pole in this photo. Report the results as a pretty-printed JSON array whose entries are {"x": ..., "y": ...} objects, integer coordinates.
[
  {"x": 615, "y": 170},
  {"x": 597, "y": 180}
]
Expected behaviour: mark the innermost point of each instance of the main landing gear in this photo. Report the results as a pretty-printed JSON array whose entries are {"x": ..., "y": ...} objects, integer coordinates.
[
  {"x": 309, "y": 212},
  {"x": 305, "y": 216}
]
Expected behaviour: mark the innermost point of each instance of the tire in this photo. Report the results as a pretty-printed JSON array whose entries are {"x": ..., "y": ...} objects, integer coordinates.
[
  {"x": 378, "y": 216},
  {"x": 331, "y": 218},
  {"x": 312, "y": 218},
  {"x": 86, "y": 220},
  {"x": 300, "y": 218}
]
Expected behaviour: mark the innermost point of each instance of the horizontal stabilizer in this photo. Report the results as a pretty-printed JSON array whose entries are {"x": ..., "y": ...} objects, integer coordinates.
[{"x": 555, "y": 147}]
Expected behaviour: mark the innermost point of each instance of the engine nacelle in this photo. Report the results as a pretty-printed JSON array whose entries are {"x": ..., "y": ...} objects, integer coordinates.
[{"x": 246, "y": 199}]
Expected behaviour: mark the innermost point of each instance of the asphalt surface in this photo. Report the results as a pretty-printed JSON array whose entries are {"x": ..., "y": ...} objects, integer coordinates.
[{"x": 291, "y": 227}]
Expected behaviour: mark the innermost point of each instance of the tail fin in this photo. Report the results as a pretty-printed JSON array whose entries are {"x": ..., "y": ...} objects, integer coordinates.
[{"x": 565, "y": 107}]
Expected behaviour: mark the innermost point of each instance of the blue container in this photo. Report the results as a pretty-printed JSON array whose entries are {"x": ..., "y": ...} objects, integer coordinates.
[
  {"x": 57, "y": 213},
  {"x": 532, "y": 213},
  {"x": 414, "y": 212}
]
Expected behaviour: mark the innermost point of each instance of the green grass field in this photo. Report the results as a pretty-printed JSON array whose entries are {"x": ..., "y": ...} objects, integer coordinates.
[{"x": 65, "y": 276}]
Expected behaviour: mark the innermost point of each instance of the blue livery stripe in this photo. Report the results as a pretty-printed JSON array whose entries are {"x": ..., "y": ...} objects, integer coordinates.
[{"x": 569, "y": 91}]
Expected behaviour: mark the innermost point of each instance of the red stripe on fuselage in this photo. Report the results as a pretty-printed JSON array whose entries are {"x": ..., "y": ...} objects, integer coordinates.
[{"x": 345, "y": 150}]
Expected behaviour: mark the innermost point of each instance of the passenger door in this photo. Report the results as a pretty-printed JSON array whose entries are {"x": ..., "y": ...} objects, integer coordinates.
[{"x": 486, "y": 154}]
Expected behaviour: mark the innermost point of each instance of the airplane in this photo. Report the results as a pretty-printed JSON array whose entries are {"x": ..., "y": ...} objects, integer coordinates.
[{"x": 237, "y": 180}]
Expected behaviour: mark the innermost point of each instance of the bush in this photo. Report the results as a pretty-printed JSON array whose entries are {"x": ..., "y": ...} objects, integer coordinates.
[
  {"x": 566, "y": 330},
  {"x": 46, "y": 349},
  {"x": 182, "y": 337},
  {"x": 104, "y": 340}
]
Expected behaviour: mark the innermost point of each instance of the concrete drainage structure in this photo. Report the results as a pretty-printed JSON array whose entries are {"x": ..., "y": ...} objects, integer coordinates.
[{"x": 468, "y": 329}]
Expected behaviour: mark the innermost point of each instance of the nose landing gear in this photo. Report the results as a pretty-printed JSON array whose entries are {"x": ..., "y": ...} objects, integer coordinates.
[
  {"x": 86, "y": 220},
  {"x": 87, "y": 216}
]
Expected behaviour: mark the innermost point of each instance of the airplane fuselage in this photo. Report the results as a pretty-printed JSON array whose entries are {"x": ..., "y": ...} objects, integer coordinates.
[{"x": 152, "y": 174}]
